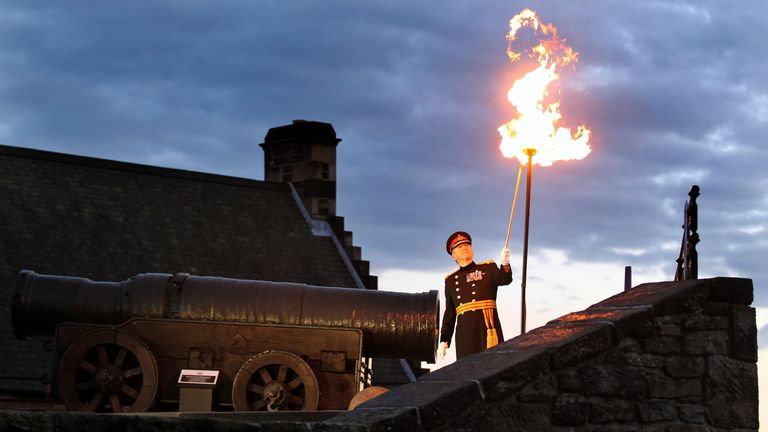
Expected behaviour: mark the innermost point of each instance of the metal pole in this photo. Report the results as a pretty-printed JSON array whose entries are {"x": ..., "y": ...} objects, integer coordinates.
[
  {"x": 627, "y": 278},
  {"x": 514, "y": 205},
  {"x": 530, "y": 153}
]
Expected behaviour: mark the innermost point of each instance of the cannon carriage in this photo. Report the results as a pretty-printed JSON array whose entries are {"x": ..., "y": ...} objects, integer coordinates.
[{"x": 273, "y": 346}]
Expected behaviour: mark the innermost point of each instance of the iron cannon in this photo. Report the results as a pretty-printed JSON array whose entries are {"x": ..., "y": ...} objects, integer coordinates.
[{"x": 274, "y": 345}]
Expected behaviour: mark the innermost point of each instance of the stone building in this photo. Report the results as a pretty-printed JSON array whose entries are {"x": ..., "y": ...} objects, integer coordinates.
[{"x": 106, "y": 220}]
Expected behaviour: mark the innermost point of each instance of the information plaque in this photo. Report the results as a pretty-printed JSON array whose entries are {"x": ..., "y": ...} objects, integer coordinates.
[{"x": 198, "y": 377}]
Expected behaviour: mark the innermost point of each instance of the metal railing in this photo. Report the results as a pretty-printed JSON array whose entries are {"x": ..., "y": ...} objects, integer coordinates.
[{"x": 688, "y": 260}]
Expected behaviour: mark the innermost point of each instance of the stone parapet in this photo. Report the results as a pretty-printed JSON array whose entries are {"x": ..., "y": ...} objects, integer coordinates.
[{"x": 661, "y": 357}]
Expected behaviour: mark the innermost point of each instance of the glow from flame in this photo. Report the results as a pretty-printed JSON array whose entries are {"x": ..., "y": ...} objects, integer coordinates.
[{"x": 536, "y": 126}]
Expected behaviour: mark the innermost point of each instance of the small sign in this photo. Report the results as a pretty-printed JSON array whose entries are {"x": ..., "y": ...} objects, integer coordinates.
[{"x": 198, "y": 376}]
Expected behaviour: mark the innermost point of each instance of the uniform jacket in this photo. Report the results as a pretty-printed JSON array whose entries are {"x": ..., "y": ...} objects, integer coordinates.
[{"x": 474, "y": 282}]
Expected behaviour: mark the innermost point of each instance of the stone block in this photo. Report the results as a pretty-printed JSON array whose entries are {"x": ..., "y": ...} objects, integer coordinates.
[
  {"x": 701, "y": 321},
  {"x": 541, "y": 390},
  {"x": 705, "y": 342},
  {"x": 569, "y": 381},
  {"x": 622, "y": 411},
  {"x": 625, "y": 321},
  {"x": 570, "y": 410},
  {"x": 670, "y": 325},
  {"x": 499, "y": 372},
  {"x": 515, "y": 417},
  {"x": 657, "y": 411},
  {"x": 666, "y": 298},
  {"x": 686, "y": 428},
  {"x": 663, "y": 345},
  {"x": 664, "y": 387},
  {"x": 373, "y": 420},
  {"x": 716, "y": 308},
  {"x": 654, "y": 361},
  {"x": 614, "y": 381},
  {"x": 691, "y": 413},
  {"x": 731, "y": 290},
  {"x": 685, "y": 366},
  {"x": 437, "y": 401},
  {"x": 566, "y": 343},
  {"x": 731, "y": 393},
  {"x": 743, "y": 333}
]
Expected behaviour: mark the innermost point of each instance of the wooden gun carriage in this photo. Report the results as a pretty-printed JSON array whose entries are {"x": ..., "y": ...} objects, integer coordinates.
[{"x": 275, "y": 346}]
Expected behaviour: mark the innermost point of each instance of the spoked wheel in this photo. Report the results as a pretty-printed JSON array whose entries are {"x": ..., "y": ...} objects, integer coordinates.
[
  {"x": 108, "y": 371},
  {"x": 275, "y": 381}
]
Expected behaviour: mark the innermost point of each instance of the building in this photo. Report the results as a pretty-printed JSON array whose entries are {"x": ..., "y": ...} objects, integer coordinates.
[{"x": 106, "y": 220}]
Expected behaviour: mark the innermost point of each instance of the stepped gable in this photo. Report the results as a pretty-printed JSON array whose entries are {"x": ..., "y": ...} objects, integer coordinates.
[
  {"x": 106, "y": 220},
  {"x": 303, "y": 154}
]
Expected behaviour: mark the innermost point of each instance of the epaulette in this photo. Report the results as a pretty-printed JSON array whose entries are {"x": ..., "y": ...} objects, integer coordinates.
[
  {"x": 487, "y": 262},
  {"x": 451, "y": 273}
]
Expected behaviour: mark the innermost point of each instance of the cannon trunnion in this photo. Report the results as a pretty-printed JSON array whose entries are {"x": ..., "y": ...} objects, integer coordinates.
[{"x": 276, "y": 346}]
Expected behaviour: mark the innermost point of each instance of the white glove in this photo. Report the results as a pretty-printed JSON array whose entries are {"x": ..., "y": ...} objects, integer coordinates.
[
  {"x": 504, "y": 256},
  {"x": 442, "y": 349}
]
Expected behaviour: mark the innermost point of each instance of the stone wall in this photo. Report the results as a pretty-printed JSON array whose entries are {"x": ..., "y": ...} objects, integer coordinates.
[{"x": 662, "y": 357}]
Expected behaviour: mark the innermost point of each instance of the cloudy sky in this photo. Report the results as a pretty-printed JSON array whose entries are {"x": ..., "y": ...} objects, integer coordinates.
[{"x": 674, "y": 92}]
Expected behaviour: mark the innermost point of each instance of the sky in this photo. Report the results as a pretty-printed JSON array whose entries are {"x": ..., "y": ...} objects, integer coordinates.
[{"x": 674, "y": 92}]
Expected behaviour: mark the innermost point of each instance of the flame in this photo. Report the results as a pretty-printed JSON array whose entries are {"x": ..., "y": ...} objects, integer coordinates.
[{"x": 536, "y": 128}]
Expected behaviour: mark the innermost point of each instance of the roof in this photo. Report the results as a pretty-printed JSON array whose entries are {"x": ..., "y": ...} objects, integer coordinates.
[{"x": 107, "y": 220}]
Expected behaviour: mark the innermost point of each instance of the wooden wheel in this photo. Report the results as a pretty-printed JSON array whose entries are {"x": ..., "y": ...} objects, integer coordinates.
[
  {"x": 275, "y": 381},
  {"x": 108, "y": 371}
]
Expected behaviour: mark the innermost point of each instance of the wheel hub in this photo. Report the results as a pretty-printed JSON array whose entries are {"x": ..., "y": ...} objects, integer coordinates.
[
  {"x": 108, "y": 378},
  {"x": 275, "y": 394}
]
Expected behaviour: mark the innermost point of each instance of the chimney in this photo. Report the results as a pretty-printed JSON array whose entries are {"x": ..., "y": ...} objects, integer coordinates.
[{"x": 304, "y": 153}]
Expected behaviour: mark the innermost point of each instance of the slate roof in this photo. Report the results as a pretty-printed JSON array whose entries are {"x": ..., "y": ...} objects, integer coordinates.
[{"x": 106, "y": 220}]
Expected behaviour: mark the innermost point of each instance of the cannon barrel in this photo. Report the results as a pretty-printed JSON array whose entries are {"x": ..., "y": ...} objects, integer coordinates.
[{"x": 394, "y": 324}]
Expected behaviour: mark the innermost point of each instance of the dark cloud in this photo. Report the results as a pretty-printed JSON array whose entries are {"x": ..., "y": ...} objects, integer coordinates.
[{"x": 673, "y": 91}]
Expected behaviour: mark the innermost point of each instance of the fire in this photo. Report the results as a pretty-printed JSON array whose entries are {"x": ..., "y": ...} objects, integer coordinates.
[{"x": 537, "y": 124}]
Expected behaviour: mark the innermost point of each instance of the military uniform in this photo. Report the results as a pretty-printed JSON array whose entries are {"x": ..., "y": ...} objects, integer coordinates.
[{"x": 470, "y": 296}]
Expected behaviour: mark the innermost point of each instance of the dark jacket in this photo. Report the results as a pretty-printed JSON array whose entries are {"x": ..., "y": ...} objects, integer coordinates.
[{"x": 474, "y": 282}]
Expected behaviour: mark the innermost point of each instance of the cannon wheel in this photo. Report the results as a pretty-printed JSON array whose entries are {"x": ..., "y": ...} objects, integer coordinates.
[
  {"x": 275, "y": 381},
  {"x": 108, "y": 370}
]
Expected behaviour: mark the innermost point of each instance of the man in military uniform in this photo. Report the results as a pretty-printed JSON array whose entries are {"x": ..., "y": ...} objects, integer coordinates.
[{"x": 470, "y": 296}]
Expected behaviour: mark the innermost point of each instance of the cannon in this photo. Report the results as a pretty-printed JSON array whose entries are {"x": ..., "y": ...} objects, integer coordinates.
[{"x": 121, "y": 346}]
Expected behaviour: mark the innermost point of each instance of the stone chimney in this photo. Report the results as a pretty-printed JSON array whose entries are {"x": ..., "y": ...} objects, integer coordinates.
[{"x": 304, "y": 154}]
